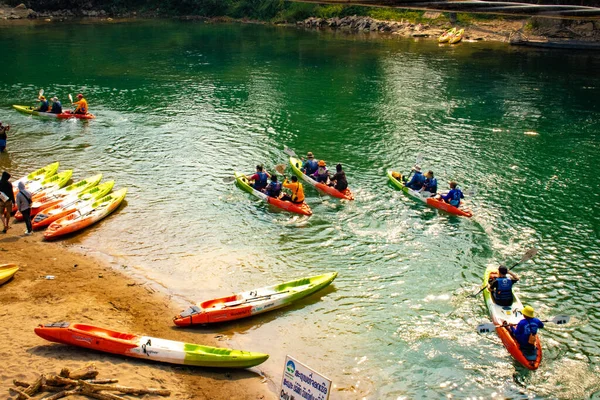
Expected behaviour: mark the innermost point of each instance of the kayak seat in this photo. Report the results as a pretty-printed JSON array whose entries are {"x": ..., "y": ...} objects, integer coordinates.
[{"x": 190, "y": 311}]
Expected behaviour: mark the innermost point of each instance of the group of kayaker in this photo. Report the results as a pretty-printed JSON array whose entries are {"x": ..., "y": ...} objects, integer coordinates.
[
  {"x": 81, "y": 105},
  {"x": 525, "y": 331},
  {"x": 318, "y": 171},
  {"x": 426, "y": 184}
]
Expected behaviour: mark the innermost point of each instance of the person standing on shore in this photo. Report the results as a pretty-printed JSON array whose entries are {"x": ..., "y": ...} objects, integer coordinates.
[
  {"x": 82, "y": 105},
  {"x": 7, "y": 198},
  {"x": 24, "y": 205},
  {"x": 3, "y": 137}
]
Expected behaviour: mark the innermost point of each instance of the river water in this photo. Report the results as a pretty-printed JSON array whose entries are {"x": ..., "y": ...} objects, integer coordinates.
[{"x": 180, "y": 106}]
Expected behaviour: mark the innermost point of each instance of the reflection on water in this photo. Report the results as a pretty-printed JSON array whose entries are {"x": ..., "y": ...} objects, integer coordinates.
[{"x": 195, "y": 102}]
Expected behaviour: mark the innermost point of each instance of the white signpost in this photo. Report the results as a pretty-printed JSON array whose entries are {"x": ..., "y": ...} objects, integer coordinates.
[{"x": 299, "y": 382}]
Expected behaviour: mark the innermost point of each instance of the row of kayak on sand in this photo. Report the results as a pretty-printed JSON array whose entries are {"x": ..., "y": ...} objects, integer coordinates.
[
  {"x": 288, "y": 203},
  {"x": 66, "y": 209},
  {"x": 217, "y": 310}
]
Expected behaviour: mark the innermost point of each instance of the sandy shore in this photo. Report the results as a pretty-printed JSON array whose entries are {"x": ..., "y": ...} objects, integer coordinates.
[{"x": 89, "y": 291}]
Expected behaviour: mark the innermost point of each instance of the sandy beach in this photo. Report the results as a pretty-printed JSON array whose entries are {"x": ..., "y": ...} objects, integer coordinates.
[{"x": 87, "y": 290}]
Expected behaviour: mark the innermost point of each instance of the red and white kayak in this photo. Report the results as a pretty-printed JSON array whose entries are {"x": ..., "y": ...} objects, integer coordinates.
[
  {"x": 330, "y": 190},
  {"x": 146, "y": 347},
  {"x": 64, "y": 115}
]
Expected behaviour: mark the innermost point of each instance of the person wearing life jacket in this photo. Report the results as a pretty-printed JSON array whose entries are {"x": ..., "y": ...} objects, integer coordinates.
[
  {"x": 430, "y": 184},
  {"x": 82, "y": 105},
  {"x": 309, "y": 166},
  {"x": 3, "y": 136},
  {"x": 44, "y": 106},
  {"x": 417, "y": 180},
  {"x": 259, "y": 178},
  {"x": 501, "y": 287},
  {"x": 56, "y": 106},
  {"x": 338, "y": 180},
  {"x": 525, "y": 332},
  {"x": 454, "y": 195},
  {"x": 321, "y": 175},
  {"x": 297, "y": 195},
  {"x": 274, "y": 188}
]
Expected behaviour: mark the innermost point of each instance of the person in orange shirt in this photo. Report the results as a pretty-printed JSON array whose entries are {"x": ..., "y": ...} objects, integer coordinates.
[
  {"x": 297, "y": 196},
  {"x": 82, "y": 105}
]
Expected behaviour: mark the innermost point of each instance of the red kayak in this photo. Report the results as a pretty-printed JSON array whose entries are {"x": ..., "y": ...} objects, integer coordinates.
[
  {"x": 330, "y": 190},
  {"x": 64, "y": 115}
]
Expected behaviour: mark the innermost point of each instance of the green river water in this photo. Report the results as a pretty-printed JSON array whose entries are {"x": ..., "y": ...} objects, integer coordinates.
[{"x": 181, "y": 105}]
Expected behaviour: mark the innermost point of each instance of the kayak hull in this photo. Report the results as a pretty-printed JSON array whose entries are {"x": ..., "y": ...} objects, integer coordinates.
[
  {"x": 253, "y": 302},
  {"x": 330, "y": 190},
  {"x": 146, "y": 347},
  {"x": 64, "y": 115},
  {"x": 509, "y": 316},
  {"x": 456, "y": 37},
  {"x": 7, "y": 271},
  {"x": 430, "y": 201},
  {"x": 242, "y": 182},
  {"x": 444, "y": 37},
  {"x": 85, "y": 216}
]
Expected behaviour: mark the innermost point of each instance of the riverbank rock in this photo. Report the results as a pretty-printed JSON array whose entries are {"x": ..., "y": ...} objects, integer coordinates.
[{"x": 367, "y": 24}]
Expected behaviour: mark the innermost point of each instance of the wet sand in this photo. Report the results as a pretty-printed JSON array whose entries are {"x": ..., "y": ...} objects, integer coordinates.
[{"x": 89, "y": 291}]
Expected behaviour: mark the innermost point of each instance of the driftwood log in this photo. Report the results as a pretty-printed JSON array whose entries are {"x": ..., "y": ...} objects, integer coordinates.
[{"x": 81, "y": 382}]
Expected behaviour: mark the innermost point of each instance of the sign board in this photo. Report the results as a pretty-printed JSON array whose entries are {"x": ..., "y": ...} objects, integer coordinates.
[{"x": 299, "y": 382}]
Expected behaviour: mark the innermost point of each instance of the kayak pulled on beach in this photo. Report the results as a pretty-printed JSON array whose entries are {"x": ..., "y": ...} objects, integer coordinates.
[
  {"x": 253, "y": 302},
  {"x": 7, "y": 271},
  {"x": 430, "y": 201},
  {"x": 504, "y": 318},
  {"x": 243, "y": 184},
  {"x": 146, "y": 347},
  {"x": 64, "y": 115},
  {"x": 330, "y": 190},
  {"x": 444, "y": 37}
]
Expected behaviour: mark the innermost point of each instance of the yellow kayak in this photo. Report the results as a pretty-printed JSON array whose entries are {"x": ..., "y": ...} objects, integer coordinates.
[
  {"x": 444, "y": 37},
  {"x": 7, "y": 271},
  {"x": 457, "y": 37}
]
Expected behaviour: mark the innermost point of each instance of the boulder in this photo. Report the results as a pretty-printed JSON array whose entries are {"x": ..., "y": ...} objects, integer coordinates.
[{"x": 21, "y": 7}]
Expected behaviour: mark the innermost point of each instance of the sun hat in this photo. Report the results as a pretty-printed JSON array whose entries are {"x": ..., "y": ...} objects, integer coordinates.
[
  {"x": 528, "y": 311},
  {"x": 55, "y": 98},
  {"x": 322, "y": 163},
  {"x": 310, "y": 155},
  {"x": 42, "y": 98},
  {"x": 417, "y": 168}
]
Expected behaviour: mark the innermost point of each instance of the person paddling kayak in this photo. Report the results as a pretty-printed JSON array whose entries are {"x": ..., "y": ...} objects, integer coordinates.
[
  {"x": 44, "y": 106},
  {"x": 526, "y": 332},
  {"x": 430, "y": 184},
  {"x": 82, "y": 105},
  {"x": 56, "y": 106},
  {"x": 273, "y": 189},
  {"x": 309, "y": 166},
  {"x": 454, "y": 195},
  {"x": 297, "y": 196},
  {"x": 321, "y": 175},
  {"x": 418, "y": 179},
  {"x": 501, "y": 287},
  {"x": 338, "y": 180},
  {"x": 259, "y": 178}
]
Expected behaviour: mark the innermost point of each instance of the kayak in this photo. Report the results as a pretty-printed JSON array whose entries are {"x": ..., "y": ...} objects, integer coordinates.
[
  {"x": 48, "y": 185},
  {"x": 511, "y": 316},
  {"x": 330, "y": 190},
  {"x": 243, "y": 184},
  {"x": 85, "y": 216},
  {"x": 65, "y": 114},
  {"x": 7, "y": 271},
  {"x": 70, "y": 204},
  {"x": 444, "y": 37},
  {"x": 253, "y": 302},
  {"x": 50, "y": 199},
  {"x": 430, "y": 201},
  {"x": 35, "y": 177},
  {"x": 146, "y": 347},
  {"x": 457, "y": 37}
]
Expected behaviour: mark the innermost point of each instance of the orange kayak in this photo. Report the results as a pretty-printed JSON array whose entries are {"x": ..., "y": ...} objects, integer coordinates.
[
  {"x": 330, "y": 190},
  {"x": 85, "y": 216},
  {"x": 146, "y": 347},
  {"x": 70, "y": 204}
]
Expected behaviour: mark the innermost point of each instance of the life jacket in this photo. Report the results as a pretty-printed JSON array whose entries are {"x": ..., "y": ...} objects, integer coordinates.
[
  {"x": 274, "y": 189},
  {"x": 503, "y": 289},
  {"x": 261, "y": 182},
  {"x": 311, "y": 167},
  {"x": 56, "y": 108},
  {"x": 456, "y": 196},
  {"x": 321, "y": 175},
  {"x": 44, "y": 106},
  {"x": 431, "y": 185}
]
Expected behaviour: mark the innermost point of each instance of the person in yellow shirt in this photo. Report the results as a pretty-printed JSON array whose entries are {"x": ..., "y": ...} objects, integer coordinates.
[
  {"x": 297, "y": 196},
  {"x": 82, "y": 105}
]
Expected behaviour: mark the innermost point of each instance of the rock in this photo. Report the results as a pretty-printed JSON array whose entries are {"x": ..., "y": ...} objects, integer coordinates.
[
  {"x": 586, "y": 29},
  {"x": 432, "y": 14},
  {"x": 21, "y": 7},
  {"x": 48, "y": 20}
]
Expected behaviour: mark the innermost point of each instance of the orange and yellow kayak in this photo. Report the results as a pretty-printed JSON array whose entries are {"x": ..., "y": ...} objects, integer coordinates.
[{"x": 330, "y": 190}]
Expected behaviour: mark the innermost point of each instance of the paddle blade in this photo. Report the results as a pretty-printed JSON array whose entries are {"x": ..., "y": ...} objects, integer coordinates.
[
  {"x": 280, "y": 168},
  {"x": 472, "y": 191},
  {"x": 418, "y": 159},
  {"x": 486, "y": 328},
  {"x": 529, "y": 255},
  {"x": 41, "y": 92},
  {"x": 561, "y": 319},
  {"x": 290, "y": 152},
  {"x": 229, "y": 179},
  {"x": 70, "y": 97}
]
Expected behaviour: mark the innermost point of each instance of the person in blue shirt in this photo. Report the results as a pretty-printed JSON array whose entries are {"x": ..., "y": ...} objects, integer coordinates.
[
  {"x": 526, "y": 331},
  {"x": 274, "y": 188},
  {"x": 418, "y": 179},
  {"x": 44, "y": 106},
  {"x": 56, "y": 106},
  {"x": 430, "y": 184},
  {"x": 454, "y": 195},
  {"x": 259, "y": 178},
  {"x": 501, "y": 287},
  {"x": 310, "y": 165}
]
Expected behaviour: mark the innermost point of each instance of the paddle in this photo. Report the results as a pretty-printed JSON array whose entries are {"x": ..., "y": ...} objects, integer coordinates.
[
  {"x": 230, "y": 179},
  {"x": 237, "y": 303},
  {"x": 41, "y": 93},
  {"x": 417, "y": 162},
  {"x": 290, "y": 152},
  {"x": 526, "y": 257},
  {"x": 490, "y": 327}
]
